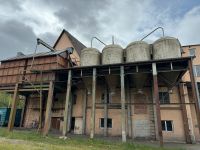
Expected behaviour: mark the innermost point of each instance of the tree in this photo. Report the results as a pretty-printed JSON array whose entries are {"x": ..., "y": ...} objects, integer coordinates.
[{"x": 6, "y": 100}]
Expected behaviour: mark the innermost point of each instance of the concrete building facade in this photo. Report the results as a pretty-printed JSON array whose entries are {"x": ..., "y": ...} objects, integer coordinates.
[{"x": 158, "y": 112}]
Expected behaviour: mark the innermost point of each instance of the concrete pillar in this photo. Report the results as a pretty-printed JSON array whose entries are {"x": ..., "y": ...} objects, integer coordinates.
[
  {"x": 155, "y": 117},
  {"x": 123, "y": 111},
  {"x": 41, "y": 111},
  {"x": 66, "y": 112},
  {"x": 92, "y": 120},
  {"x": 13, "y": 109},
  {"x": 47, "y": 123},
  {"x": 156, "y": 97},
  {"x": 128, "y": 94},
  {"x": 23, "y": 111},
  {"x": 84, "y": 96},
  {"x": 195, "y": 92},
  {"x": 105, "y": 111},
  {"x": 70, "y": 109}
]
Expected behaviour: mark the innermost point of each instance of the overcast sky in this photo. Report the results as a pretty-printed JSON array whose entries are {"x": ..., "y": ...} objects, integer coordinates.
[{"x": 128, "y": 20}]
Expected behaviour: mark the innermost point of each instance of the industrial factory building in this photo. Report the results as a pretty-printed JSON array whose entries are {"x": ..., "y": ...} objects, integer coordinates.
[{"x": 144, "y": 91}]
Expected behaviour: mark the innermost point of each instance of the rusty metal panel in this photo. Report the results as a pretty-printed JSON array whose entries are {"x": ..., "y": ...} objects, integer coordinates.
[{"x": 1, "y": 72}]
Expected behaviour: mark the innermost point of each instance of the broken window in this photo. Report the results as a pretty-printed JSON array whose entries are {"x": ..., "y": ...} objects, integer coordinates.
[{"x": 167, "y": 125}]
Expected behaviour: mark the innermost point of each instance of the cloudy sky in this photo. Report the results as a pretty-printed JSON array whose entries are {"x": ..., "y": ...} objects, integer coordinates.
[{"x": 128, "y": 20}]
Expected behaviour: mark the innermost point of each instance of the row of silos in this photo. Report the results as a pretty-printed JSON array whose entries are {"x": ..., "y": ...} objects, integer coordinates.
[{"x": 163, "y": 48}]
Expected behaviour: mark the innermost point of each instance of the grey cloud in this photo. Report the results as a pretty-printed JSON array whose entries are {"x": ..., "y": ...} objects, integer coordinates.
[
  {"x": 13, "y": 4},
  {"x": 82, "y": 16},
  {"x": 15, "y": 36}
]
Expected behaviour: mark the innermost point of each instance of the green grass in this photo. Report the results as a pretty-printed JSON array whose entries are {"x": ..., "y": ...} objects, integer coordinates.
[{"x": 30, "y": 140}]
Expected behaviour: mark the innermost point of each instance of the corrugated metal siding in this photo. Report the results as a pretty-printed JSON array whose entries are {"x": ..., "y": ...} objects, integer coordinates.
[{"x": 15, "y": 71}]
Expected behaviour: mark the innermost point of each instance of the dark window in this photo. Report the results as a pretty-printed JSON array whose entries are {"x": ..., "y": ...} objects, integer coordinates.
[
  {"x": 197, "y": 70},
  {"x": 103, "y": 97},
  {"x": 109, "y": 123},
  {"x": 192, "y": 51},
  {"x": 74, "y": 97},
  {"x": 167, "y": 125},
  {"x": 164, "y": 97}
]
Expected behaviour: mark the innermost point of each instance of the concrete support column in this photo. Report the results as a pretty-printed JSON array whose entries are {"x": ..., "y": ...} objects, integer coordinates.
[
  {"x": 70, "y": 109},
  {"x": 195, "y": 92},
  {"x": 23, "y": 111},
  {"x": 184, "y": 114},
  {"x": 41, "y": 103},
  {"x": 47, "y": 123},
  {"x": 123, "y": 111},
  {"x": 156, "y": 99},
  {"x": 13, "y": 109},
  {"x": 92, "y": 120},
  {"x": 128, "y": 94},
  {"x": 66, "y": 112},
  {"x": 84, "y": 95},
  {"x": 105, "y": 111}
]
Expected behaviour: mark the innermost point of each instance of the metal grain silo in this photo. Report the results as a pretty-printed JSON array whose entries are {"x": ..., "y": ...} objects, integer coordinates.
[
  {"x": 112, "y": 54},
  {"x": 138, "y": 51},
  {"x": 89, "y": 57},
  {"x": 165, "y": 48}
]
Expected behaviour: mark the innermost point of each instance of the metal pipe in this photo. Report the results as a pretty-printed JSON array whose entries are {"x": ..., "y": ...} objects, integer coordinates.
[
  {"x": 96, "y": 39},
  {"x": 163, "y": 33},
  {"x": 113, "y": 40},
  {"x": 39, "y": 41}
]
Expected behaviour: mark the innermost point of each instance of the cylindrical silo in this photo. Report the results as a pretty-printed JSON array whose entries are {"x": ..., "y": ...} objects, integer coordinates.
[
  {"x": 112, "y": 54},
  {"x": 165, "y": 48},
  {"x": 89, "y": 57},
  {"x": 138, "y": 51}
]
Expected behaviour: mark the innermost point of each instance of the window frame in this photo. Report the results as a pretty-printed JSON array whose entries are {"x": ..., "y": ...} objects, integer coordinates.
[
  {"x": 194, "y": 51},
  {"x": 166, "y": 130},
  {"x": 100, "y": 119},
  {"x": 195, "y": 70},
  {"x": 162, "y": 101}
]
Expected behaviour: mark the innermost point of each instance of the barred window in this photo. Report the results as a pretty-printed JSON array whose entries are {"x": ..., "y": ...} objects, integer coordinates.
[
  {"x": 197, "y": 70},
  {"x": 109, "y": 123},
  {"x": 164, "y": 97}
]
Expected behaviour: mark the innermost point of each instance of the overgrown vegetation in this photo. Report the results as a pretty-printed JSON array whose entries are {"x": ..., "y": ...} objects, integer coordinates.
[
  {"x": 32, "y": 140},
  {"x": 6, "y": 100}
]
